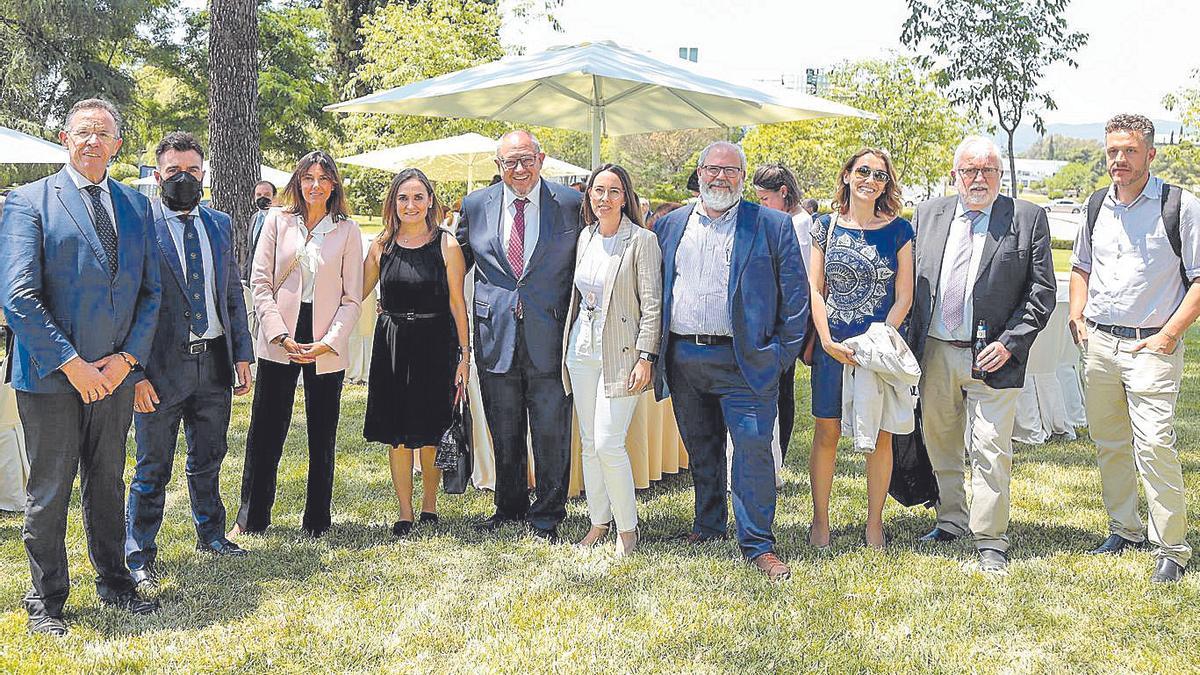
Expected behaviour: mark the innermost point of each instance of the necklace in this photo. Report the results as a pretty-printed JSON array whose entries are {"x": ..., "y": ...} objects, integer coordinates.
[{"x": 404, "y": 239}]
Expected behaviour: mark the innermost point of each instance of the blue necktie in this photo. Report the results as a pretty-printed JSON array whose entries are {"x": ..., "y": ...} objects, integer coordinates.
[
  {"x": 105, "y": 229},
  {"x": 195, "y": 275}
]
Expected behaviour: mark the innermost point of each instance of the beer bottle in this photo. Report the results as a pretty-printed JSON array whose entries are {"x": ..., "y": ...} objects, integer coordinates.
[{"x": 977, "y": 346}]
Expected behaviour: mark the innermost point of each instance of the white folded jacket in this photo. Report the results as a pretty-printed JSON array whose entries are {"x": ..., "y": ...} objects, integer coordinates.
[{"x": 879, "y": 394}]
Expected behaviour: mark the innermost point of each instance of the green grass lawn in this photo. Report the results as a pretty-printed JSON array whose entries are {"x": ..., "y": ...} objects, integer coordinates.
[{"x": 450, "y": 600}]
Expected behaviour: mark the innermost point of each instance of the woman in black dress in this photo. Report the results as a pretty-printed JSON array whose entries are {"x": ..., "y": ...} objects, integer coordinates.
[{"x": 420, "y": 359}]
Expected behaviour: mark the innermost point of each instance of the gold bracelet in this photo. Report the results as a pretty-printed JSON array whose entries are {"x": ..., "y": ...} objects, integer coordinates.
[{"x": 1173, "y": 338}]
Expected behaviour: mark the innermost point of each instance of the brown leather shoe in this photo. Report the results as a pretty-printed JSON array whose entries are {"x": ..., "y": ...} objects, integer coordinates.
[{"x": 770, "y": 565}]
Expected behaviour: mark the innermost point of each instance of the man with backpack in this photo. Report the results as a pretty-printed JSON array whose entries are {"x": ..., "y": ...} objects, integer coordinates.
[{"x": 1132, "y": 300}]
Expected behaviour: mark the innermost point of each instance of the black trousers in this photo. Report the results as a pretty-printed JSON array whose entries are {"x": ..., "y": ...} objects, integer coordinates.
[
  {"x": 508, "y": 398},
  {"x": 198, "y": 396},
  {"x": 787, "y": 406},
  {"x": 270, "y": 417},
  {"x": 63, "y": 435}
]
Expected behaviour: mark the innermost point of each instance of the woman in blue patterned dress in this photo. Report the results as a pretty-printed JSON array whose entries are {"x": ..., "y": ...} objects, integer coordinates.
[{"x": 860, "y": 272}]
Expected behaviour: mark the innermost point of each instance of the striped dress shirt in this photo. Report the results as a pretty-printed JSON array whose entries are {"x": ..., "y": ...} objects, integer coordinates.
[{"x": 700, "y": 297}]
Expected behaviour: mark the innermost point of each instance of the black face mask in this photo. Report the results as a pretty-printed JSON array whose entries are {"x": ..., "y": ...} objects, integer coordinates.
[
  {"x": 181, "y": 192},
  {"x": 263, "y": 203}
]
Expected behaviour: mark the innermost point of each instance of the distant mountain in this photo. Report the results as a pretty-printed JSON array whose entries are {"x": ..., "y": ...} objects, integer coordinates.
[{"x": 1027, "y": 136}]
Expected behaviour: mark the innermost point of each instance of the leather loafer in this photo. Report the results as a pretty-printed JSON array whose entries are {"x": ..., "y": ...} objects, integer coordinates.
[
  {"x": 992, "y": 561},
  {"x": 402, "y": 528},
  {"x": 131, "y": 601},
  {"x": 770, "y": 565},
  {"x": 1115, "y": 544},
  {"x": 937, "y": 536},
  {"x": 47, "y": 625},
  {"x": 1167, "y": 571},
  {"x": 222, "y": 547},
  {"x": 550, "y": 536},
  {"x": 493, "y": 523},
  {"x": 427, "y": 517}
]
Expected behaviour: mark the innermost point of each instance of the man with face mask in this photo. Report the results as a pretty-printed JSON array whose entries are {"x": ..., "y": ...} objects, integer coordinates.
[
  {"x": 264, "y": 199},
  {"x": 201, "y": 353},
  {"x": 80, "y": 287},
  {"x": 735, "y": 303}
]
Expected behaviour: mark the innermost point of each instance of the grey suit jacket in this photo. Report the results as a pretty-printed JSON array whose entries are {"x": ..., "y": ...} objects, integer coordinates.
[
  {"x": 632, "y": 305},
  {"x": 1014, "y": 291}
]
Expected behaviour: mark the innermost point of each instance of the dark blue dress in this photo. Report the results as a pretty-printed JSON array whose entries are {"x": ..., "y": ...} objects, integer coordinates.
[{"x": 860, "y": 275}]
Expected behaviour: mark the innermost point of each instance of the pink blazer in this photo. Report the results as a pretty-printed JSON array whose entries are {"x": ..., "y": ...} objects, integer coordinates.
[{"x": 337, "y": 288}]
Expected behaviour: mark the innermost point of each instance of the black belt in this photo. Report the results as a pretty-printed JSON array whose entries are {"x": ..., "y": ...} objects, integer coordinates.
[
  {"x": 411, "y": 316},
  {"x": 203, "y": 346},
  {"x": 1125, "y": 332},
  {"x": 961, "y": 344},
  {"x": 705, "y": 340}
]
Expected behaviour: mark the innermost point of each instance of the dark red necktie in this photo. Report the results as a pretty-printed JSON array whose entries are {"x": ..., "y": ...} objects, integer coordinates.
[{"x": 516, "y": 239}]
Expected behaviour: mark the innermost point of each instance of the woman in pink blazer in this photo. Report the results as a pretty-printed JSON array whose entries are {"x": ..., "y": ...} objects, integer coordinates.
[{"x": 307, "y": 283}]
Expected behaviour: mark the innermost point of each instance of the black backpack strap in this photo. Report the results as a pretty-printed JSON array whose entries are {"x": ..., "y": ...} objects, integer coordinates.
[
  {"x": 1172, "y": 203},
  {"x": 1093, "y": 211}
]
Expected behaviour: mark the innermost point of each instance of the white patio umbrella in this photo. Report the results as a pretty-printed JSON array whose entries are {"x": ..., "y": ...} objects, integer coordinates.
[
  {"x": 599, "y": 87},
  {"x": 466, "y": 158},
  {"x": 279, "y": 178},
  {"x": 21, "y": 148}
]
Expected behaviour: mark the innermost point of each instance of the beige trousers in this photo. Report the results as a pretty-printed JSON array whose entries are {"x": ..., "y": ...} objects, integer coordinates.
[
  {"x": 1131, "y": 414},
  {"x": 953, "y": 404}
]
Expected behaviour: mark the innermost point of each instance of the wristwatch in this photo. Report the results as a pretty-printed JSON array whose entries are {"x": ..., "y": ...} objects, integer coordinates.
[
  {"x": 649, "y": 358},
  {"x": 279, "y": 340}
]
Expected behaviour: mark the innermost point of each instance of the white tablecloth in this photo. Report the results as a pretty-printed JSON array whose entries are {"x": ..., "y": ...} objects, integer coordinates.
[{"x": 1051, "y": 403}]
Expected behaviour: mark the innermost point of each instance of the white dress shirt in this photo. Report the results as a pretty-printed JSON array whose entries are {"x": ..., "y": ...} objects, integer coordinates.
[
  {"x": 965, "y": 330},
  {"x": 175, "y": 227},
  {"x": 532, "y": 218},
  {"x": 1133, "y": 271},
  {"x": 310, "y": 254},
  {"x": 82, "y": 182},
  {"x": 700, "y": 295}
]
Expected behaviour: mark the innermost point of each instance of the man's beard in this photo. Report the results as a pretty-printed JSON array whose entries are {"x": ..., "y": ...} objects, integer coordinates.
[{"x": 719, "y": 199}]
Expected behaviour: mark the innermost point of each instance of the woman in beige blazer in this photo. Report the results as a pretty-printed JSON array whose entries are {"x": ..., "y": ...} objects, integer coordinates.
[
  {"x": 611, "y": 344},
  {"x": 307, "y": 285}
]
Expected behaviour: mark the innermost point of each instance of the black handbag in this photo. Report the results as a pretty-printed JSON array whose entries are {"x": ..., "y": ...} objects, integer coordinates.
[
  {"x": 453, "y": 455},
  {"x": 913, "y": 482}
]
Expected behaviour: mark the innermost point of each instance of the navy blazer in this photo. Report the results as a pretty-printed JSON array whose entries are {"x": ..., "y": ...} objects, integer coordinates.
[
  {"x": 55, "y": 285},
  {"x": 544, "y": 289},
  {"x": 174, "y": 314},
  {"x": 768, "y": 293}
]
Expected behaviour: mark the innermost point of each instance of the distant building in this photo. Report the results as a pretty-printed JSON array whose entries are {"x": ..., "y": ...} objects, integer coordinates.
[{"x": 1031, "y": 171}]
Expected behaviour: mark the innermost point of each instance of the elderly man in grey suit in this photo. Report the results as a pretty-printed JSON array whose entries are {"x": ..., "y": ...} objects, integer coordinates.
[
  {"x": 520, "y": 235},
  {"x": 981, "y": 259}
]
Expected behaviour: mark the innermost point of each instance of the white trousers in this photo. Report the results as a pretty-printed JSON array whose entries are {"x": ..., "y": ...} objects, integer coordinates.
[{"x": 603, "y": 424}]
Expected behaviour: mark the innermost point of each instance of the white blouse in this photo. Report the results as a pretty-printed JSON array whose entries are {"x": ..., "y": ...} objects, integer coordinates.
[
  {"x": 310, "y": 254},
  {"x": 592, "y": 271}
]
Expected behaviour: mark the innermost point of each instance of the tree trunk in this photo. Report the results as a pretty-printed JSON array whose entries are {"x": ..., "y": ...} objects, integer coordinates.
[
  {"x": 1012, "y": 164},
  {"x": 233, "y": 129}
]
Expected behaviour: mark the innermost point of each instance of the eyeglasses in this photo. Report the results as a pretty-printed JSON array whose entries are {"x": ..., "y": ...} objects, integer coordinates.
[
  {"x": 613, "y": 194},
  {"x": 880, "y": 175},
  {"x": 988, "y": 172},
  {"x": 713, "y": 171},
  {"x": 510, "y": 164},
  {"x": 83, "y": 136}
]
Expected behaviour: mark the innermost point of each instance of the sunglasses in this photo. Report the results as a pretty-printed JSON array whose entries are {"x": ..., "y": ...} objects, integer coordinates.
[{"x": 866, "y": 172}]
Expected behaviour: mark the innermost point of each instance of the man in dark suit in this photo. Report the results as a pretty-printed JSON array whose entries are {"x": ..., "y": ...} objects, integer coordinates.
[
  {"x": 735, "y": 303},
  {"x": 264, "y": 199},
  {"x": 980, "y": 258},
  {"x": 201, "y": 350},
  {"x": 520, "y": 234},
  {"x": 79, "y": 283}
]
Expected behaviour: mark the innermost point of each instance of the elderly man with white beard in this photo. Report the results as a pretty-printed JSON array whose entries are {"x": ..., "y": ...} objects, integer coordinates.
[{"x": 735, "y": 303}]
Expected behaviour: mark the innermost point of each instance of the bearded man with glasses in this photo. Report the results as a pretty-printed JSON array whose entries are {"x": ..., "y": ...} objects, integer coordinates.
[
  {"x": 982, "y": 259},
  {"x": 520, "y": 235},
  {"x": 735, "y": 303}
]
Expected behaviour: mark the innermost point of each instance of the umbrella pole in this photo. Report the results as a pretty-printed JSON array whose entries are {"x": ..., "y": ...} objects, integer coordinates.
[
  {"x": 596, "y": 112},
  {"x": 470, "y": 176}
]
